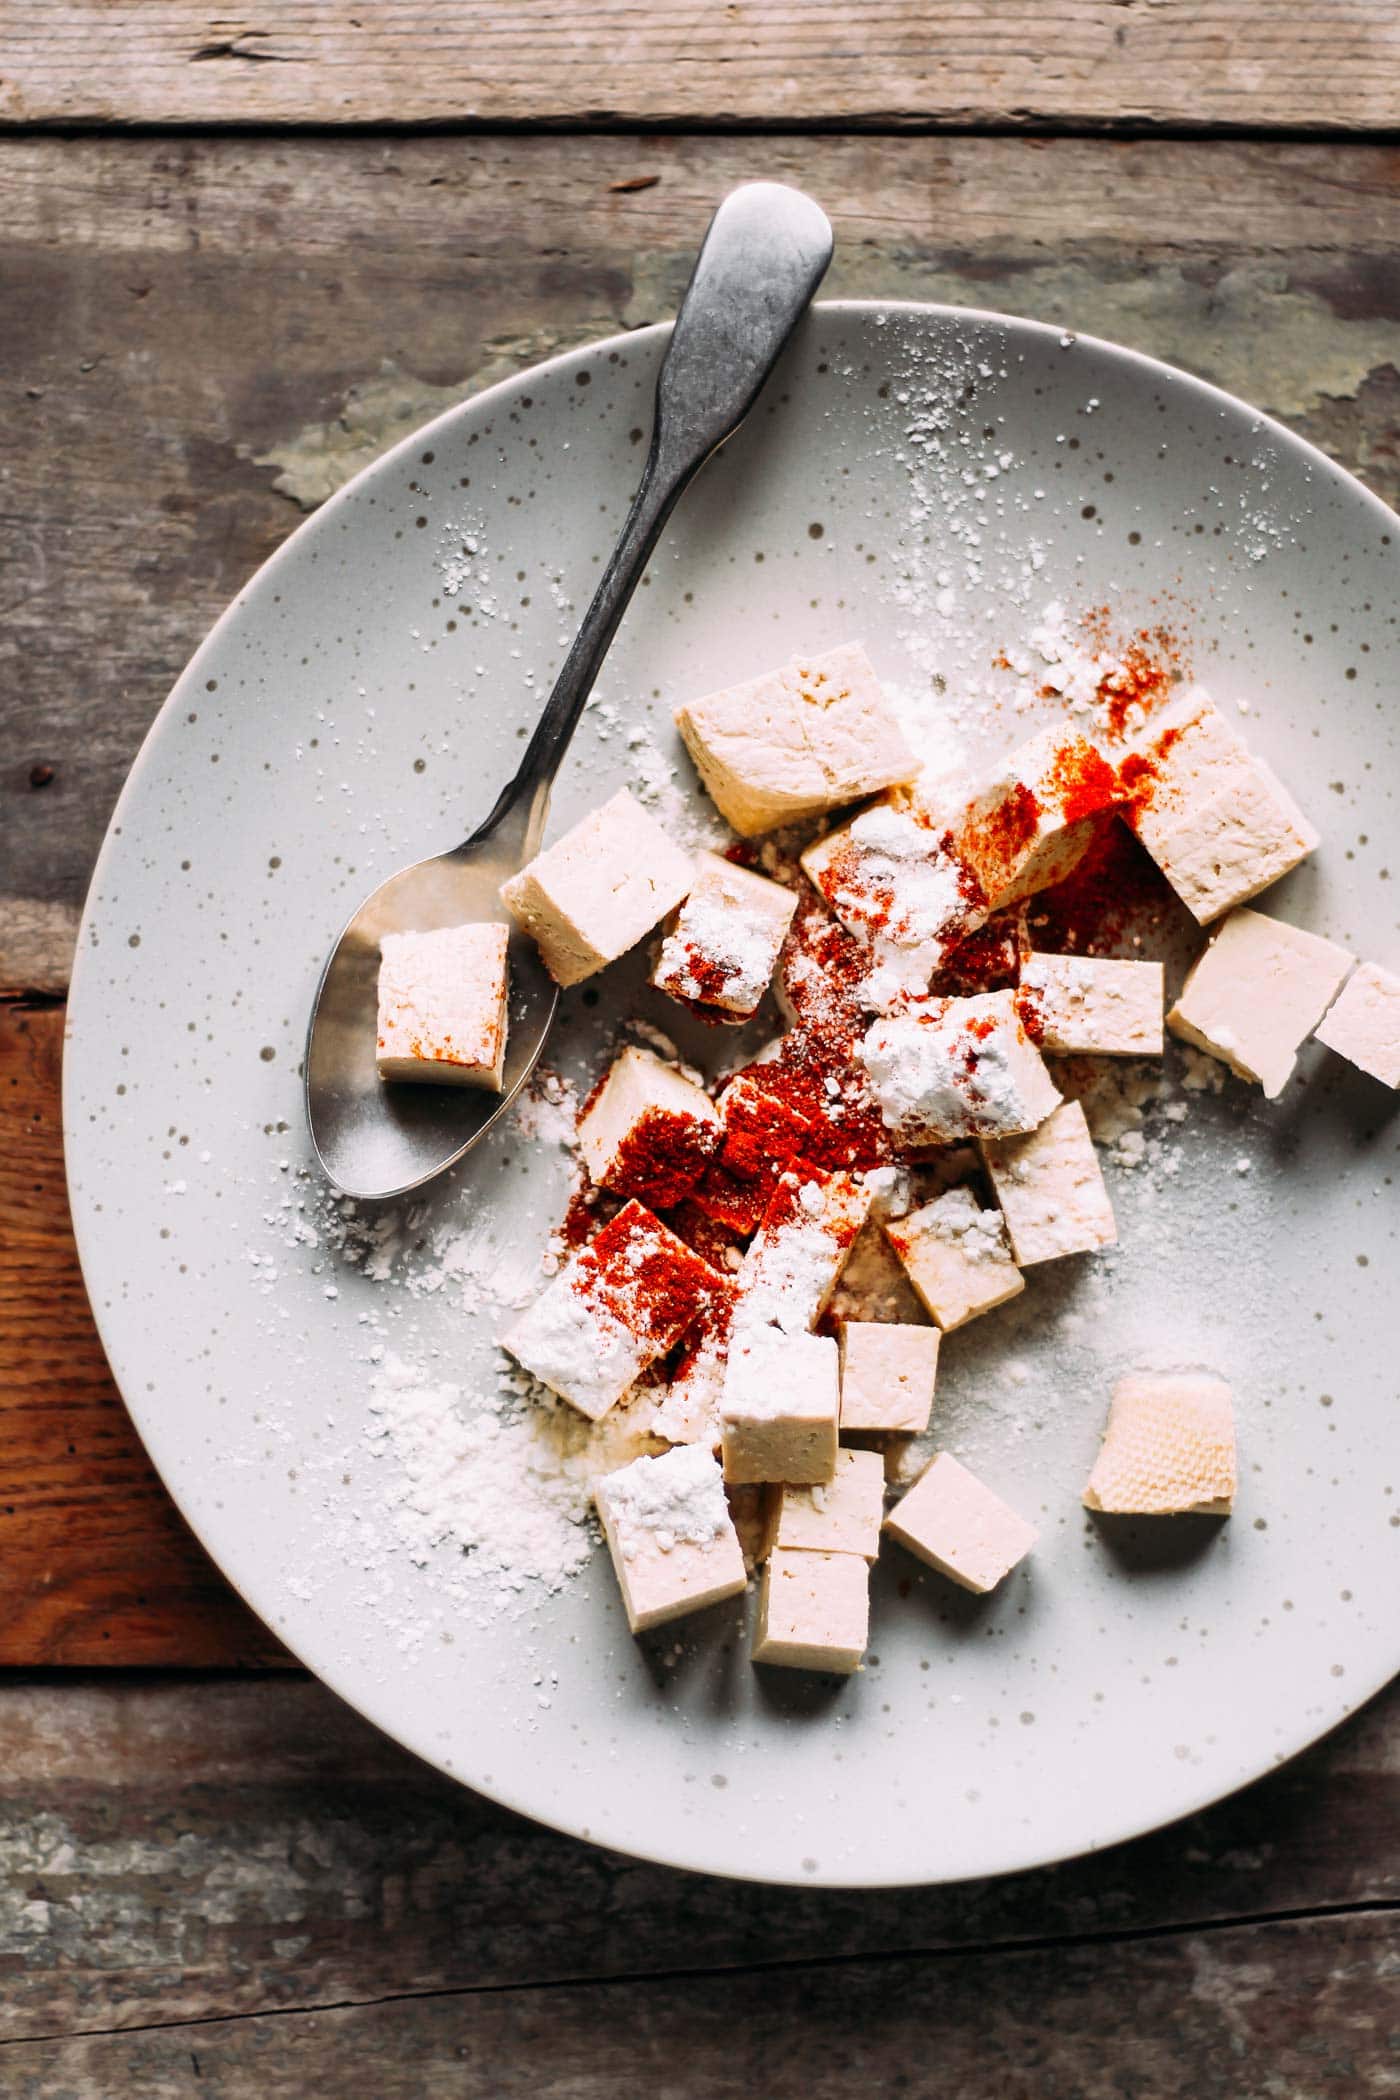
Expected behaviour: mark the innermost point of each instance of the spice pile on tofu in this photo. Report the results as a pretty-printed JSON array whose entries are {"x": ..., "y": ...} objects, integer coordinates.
[{"x": 919, "y": 1018}]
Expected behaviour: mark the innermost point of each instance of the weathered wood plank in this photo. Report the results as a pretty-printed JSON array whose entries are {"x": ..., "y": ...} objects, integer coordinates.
[
  {"x": 95, "y": 1564},
  {"x": 762, "y": 63},
  {"x": 1243, "y": 2014},
  {"x": 142, "y": 483},
  {"x": 175, "y": 1851}
]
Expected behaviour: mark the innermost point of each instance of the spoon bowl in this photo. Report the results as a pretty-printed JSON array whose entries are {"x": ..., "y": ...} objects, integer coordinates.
[{"x": 373, "y": 1140}]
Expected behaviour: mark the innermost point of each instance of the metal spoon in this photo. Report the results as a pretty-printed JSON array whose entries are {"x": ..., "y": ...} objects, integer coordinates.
[{"x": 765, "y": 253}]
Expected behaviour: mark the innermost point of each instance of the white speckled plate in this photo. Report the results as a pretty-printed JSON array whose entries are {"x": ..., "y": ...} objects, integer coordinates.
[{"x": 927, "y": 480}]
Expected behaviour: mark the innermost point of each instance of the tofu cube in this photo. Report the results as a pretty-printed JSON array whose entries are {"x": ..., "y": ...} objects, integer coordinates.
[
  {"x": 781, "y": 1407},
  {"x": 821, "y": 975},
  {"x": 793, "y": 1262},
  {"x": 813, "y": 1612},
  {"x": 1214, "y": 818},
  {"x": 671, "y": 1537},
  {"x": 949, "y": 1519},
  {"x": 721, "y": 953},
  {"x": 649, "y": 1132},
  {"x": 796, "y": 742},
  {"x": 887, "y": 1375},
  {"x": 442, "y": 1006},
  {"x": 595, "y": 892},
  {"x": 1168, "y": 1450},
  {"x": 891, "y": 878},
  {"x": 1050, "y": 1189},
  {"x": 1088, "y": 1005},
  {"x": 1364, "y": 1024},
  {"x": 761, "y": 1134},
  {"x": 688, "y": 1410},
  {"x": 957, "y": 1068},
  {"x": 841, "y": 1515},
  {"x": 1033, "y": 821},
  {"x": 957, "y": 1256},
  {"x": 1257, "y": 992},
  {"x": 614, "y": 1309}
]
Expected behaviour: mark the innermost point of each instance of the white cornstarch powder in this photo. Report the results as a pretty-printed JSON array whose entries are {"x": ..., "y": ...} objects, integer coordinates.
[
  {"x": 729, "y": 935},
  {"x": 787, "y": 1274},
  {"x": 676, "y": 1499},
  {"x": 957, "y": 1217},
  {"x": 508, "y": 1477},
  {"x": 956, "y": 1068},
  {"x": 546, "y": 1113},
  {"x": 577, "y": 1344},
  {"x": 908, "y": 893}
]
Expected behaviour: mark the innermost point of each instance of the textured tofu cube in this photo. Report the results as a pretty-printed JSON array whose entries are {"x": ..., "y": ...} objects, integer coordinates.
[
  {"x": 813, "y": 1612},
  {"x": 595, "y": 892},
  {"x": 796, "y": 742},
  {"x": 960, "y": 1527},
  {"x": 442, "y": 1006},
  {"x": 892, "y": 880},
  {"x": 957, "y": 1068},
  {"x": 649, "y": 1132},
  {"x": 1051, "y": 1192},
  {"x": 781, "y": 1407},
  {"x": 1214, "y": 818},
  {"x": 793, "y": 1261},
  {"x": 1086, "y": 1004},
  {"x": 887, "y": 1375},
  {"x": 957, "y": 1256},
  {"x": 1257, "y": 992},
  {"x": 1364, "y": 1024},
  {"x": 1168, "y": 1450},
  {"x": 841, "y": 1515},
  {"x": 1031, "y": 823},
  {"x": 615, "y": 1308},
  {"x": 670, "y": 1534},
  {"x": 721, "y": 953}
]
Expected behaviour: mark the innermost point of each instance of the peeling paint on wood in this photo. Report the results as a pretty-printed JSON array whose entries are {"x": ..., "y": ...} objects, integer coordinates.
[
  {"x": 1245, "y": 329},
  {"x": 37, "y": 939},
  {"x": 313, "y": 463},
  {"x": 1278, "y": 335}
]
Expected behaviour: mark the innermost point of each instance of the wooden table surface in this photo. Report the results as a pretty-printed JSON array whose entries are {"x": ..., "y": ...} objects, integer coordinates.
[{"x": 238, "y": 255}]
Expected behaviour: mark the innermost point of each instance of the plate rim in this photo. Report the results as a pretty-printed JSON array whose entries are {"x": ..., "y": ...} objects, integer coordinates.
[{"x": 87, "y": 1234}]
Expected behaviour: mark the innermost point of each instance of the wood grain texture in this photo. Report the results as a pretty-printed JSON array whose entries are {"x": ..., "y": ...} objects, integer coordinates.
[
  {"x": 205, "y": 335},
  {"x": 183, "y": 1851},
  {"x": 761, "y": 63},
  {"x": 95, "y": 1564},
  {"x": 1250, "y": 2013}
]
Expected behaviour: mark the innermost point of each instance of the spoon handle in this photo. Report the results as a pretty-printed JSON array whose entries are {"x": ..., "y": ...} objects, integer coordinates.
[{"x": 765, "y": 253}]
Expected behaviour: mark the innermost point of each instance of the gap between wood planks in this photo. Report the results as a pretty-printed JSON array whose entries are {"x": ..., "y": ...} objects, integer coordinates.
[
  {"x": 631, "y": 1979},
  {"x": 1025, "y": 128}
]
